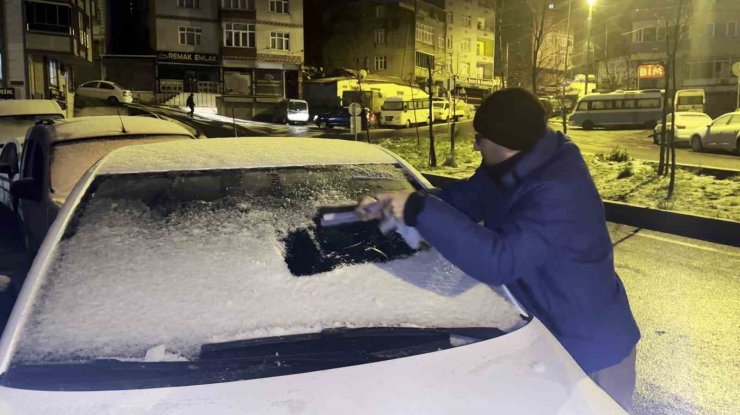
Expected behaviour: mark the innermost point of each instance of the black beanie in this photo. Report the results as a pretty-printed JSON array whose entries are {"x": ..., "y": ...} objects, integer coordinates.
[{"x": 512, "y": 117}]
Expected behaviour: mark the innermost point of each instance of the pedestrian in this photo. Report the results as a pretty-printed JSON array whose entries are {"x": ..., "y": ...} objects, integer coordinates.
[
  {"x": 531, "y": 218},
  {"x": 191, "y": 104}
]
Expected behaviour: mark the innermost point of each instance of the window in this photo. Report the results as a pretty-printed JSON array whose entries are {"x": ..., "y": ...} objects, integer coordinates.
[
  {"x": 450, "y": 18},
  {"x": 424, "y": 33},
  {"x": 710, "y": 29},
  {"x": 467, "y": 21},
  {"x": 479, "y": 71},
  {"x": 53, "y": 72},
  {"x": 237, "y": 4},
  {"x": 105, "y": 85},
  {"x": 482, "y": 23},
  {"x": 648, "y": 103},
  {"x": 731, "y": 30},
  {"x": 190, "y": 35},
  {"x": 649, "y": 34},
  {"x": 721, "y": 120},
  {"x": 424, "y": 60},
  {"x": 380, "y": 63},
  {"x": 449, "y": 42},
  {"x": 279, "y": 40},
  {"x": 380, "y": 36},
  {"x": 188, "y": 4},
  {"x": 379, "y": 12},
  {"x": 480, "y": 48},
  {"x": 239, "y": 35},
  {"x": 466, "y": 45},
  {"x": 48, "y": 17},
  {"x": 465, "y": 69},
  {"x": 660, "y": 34},
  {"x": 441, "y": 42},
  {"x": 279, "y": 6}
]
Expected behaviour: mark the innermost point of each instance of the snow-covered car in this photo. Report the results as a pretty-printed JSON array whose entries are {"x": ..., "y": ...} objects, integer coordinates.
[
  {"x": 9, "y": 171},
  {"x": 17, "y": 116},
  {"x": 57, "y": 153},
  {"x": 688, "y": 124},
  {"x": 195, "y": 278},
  {"x": 721, "y": 134},
  {"x": 107, "y": 91}
]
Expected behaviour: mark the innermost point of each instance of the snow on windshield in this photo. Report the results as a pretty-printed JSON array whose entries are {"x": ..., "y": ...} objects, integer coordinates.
[
  {"x": 71, "y": 159},
  {"x": 167, "y": 261}
]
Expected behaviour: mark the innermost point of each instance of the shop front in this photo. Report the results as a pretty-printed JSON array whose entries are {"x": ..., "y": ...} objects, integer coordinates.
[{"x": 178, "y": 72}]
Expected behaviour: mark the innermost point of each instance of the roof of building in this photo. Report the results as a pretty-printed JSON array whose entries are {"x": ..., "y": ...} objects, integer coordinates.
[
  {"x": 232, "y": 153},
  {"x": 112, "y": 126}
]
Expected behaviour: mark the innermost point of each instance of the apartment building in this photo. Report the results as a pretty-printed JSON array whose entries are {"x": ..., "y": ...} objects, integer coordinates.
[
  {"x": 709, "y": 44},
  {"x": 404, "y": 39},
  {"x": 44, "y": 45}
]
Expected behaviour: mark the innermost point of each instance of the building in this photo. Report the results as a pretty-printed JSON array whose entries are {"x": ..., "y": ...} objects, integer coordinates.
[
  {"x": 408, "y": 38},
  {"x": 244, "y": 55},
  {"x": 709, "y": 43},
  {"x": 44, "y": 46}
]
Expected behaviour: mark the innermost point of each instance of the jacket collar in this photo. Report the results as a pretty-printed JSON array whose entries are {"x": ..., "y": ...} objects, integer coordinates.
[{"x": 530, "y": 161}]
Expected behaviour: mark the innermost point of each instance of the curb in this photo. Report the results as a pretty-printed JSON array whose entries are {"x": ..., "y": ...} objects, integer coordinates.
[{"x": 703, "y": 228}]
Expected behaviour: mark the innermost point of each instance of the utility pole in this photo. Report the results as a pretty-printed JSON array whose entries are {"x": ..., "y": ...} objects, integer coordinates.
[
  {"x": 432, "y": 150},
  {"x": 563, "y": 110},
  {"x": 588, "y": 43}
]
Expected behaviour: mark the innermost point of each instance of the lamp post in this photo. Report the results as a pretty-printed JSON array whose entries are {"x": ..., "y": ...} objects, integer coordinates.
[{"x": 588, "y": 42}]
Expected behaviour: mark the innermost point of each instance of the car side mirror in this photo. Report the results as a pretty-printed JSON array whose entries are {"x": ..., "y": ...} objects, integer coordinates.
[{"x": 26, "y": 188}]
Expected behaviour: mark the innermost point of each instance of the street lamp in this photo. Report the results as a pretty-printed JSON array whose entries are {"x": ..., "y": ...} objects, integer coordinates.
[{"x": 588, "y": 42}]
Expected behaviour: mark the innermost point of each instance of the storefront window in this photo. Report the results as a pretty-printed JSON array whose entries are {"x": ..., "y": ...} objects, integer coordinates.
[
  {"x": 237, "y": 83},
  {"x": 53, "y": 72},
  {"x": 269, "y": 82}
]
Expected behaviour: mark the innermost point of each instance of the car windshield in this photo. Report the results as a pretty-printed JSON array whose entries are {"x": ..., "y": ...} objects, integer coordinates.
[
  {"x": 691, "y": 100},
  {"x": 438, "y": 105},
  {"x": 297, "y": 106},
  {"x": 155, "y": 266},
  {"x": 393, "y": 105},
  {"x": 13, "y": 126},
  {"x": 71, "y": 159}
]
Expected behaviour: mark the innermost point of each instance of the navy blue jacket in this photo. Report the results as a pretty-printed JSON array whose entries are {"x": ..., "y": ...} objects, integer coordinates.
[{"x": 544, "y": 236}]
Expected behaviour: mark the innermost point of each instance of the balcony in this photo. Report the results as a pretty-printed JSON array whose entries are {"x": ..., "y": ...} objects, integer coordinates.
[
  {"x": 238, "y": 53},
  {"x": 243, "y": 14}
]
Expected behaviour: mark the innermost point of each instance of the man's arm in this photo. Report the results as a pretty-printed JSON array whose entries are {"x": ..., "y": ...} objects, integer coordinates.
[
  {"x": 498, "y": 256},
  {"x": 465, "y": 195}
]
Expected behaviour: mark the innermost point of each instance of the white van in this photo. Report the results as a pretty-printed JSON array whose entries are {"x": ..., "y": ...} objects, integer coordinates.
[
  {"x": 692, "y": 100},
  {"x": 635, "y": 108},
  {"x": 443, "y": 109},
  {"x": 402, "y": 112},
  {"x": 289, "y": 111}
]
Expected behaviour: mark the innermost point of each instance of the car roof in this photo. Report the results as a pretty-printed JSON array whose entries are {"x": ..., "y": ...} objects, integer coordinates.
[
  {"x": 240, "y": 152},
  {"x": 111, "y": 126},
  {"x": 30, "y": 107},
  {"x": 690, "y": 113}
]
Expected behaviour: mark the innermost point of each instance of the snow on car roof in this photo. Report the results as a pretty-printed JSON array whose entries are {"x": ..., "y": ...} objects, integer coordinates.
[
  {"x": 29, "y": 107},
  {"x": 229, "y": 153},
  {"x": 110, "y": 126}
]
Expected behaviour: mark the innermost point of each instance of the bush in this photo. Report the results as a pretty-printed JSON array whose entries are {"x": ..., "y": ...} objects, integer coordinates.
[
  {"x": 618, "y": 155},
  {"x": 626, "y": 172}
]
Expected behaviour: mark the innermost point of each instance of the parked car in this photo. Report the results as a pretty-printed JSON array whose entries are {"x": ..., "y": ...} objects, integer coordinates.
[
  {"x": 337, "y": 118},
  {"x": 192, "y": 278},
  {"x": 721, "y": 134},
  {"x": 9, "y": 170},
  {"x": 290, "y": 111},
  {"x": 687, "y": 125},
  {"x": 107, "y": 91},
  {"x": 443, "y": 110},
  {"x": 17, "y": 116},
  {"x": 57, "y": 153}
]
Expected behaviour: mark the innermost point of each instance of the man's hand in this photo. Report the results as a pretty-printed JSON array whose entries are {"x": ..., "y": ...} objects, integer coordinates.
[{"x": 392, "y": 203}]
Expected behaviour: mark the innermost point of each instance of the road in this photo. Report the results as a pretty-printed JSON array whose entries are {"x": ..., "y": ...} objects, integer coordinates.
[
  {"x": 686, "y": 304},
  {"x": 636, "y": 142}
]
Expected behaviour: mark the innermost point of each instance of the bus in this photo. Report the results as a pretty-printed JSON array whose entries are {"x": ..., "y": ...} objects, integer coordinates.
[
  {"x": 404, "y": 112},
  {"x": 692, "y": 100},
  {"x": 622, "y": 108}
]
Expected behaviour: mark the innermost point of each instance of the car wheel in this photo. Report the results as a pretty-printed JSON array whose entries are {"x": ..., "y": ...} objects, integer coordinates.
[
  {"x": 323, "y": 125},
  {"x": 408, "y": 123},
  {"x": 737, "y": 146},
  {"x": 588, "y": 125},
  {"x": 696, "y": 144},
  {"x": 112, "y": 101}
]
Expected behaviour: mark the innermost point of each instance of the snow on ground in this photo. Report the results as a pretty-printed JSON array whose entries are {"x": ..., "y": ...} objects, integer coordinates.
[{"x": 136, "y": 282}]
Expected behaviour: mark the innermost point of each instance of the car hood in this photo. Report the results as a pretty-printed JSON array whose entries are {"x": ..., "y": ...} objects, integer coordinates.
[{"x": 524, "y": 372}]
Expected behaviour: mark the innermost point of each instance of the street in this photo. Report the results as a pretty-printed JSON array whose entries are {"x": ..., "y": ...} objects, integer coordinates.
[
  {"x": 688, "y": 361},
  {"x": 636, "y": 142}
]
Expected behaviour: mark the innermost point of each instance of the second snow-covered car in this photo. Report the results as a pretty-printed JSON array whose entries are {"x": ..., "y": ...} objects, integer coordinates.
[
  {"x": 57, "y": 153},
  {"x": 196, "y": 278},
  {"x": 687, "y": 125},
  {"x": 17, "y": 116},
  {"x": 107, "y": 91}
]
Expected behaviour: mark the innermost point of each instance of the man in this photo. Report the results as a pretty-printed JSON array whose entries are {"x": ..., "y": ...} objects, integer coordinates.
[
  {"x": 543, "y": 235},
  {"x": 191, "y": 104}
]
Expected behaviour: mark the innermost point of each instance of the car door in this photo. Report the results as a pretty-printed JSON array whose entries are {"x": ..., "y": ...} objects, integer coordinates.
[
  {"x": 9, "y": 161},
  {"x": 716, "y": 131},
  {"x": 107, "y": 90},
  {"x": 88, "y": 89},
  {"x": 33, "y": 211},
  {"x": 729, "y": 139}
]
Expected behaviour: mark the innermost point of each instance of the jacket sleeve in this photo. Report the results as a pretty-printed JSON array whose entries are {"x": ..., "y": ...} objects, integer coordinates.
[
  {"x": 494, "y": 256},
  {"x": 464, "y": 195}
]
